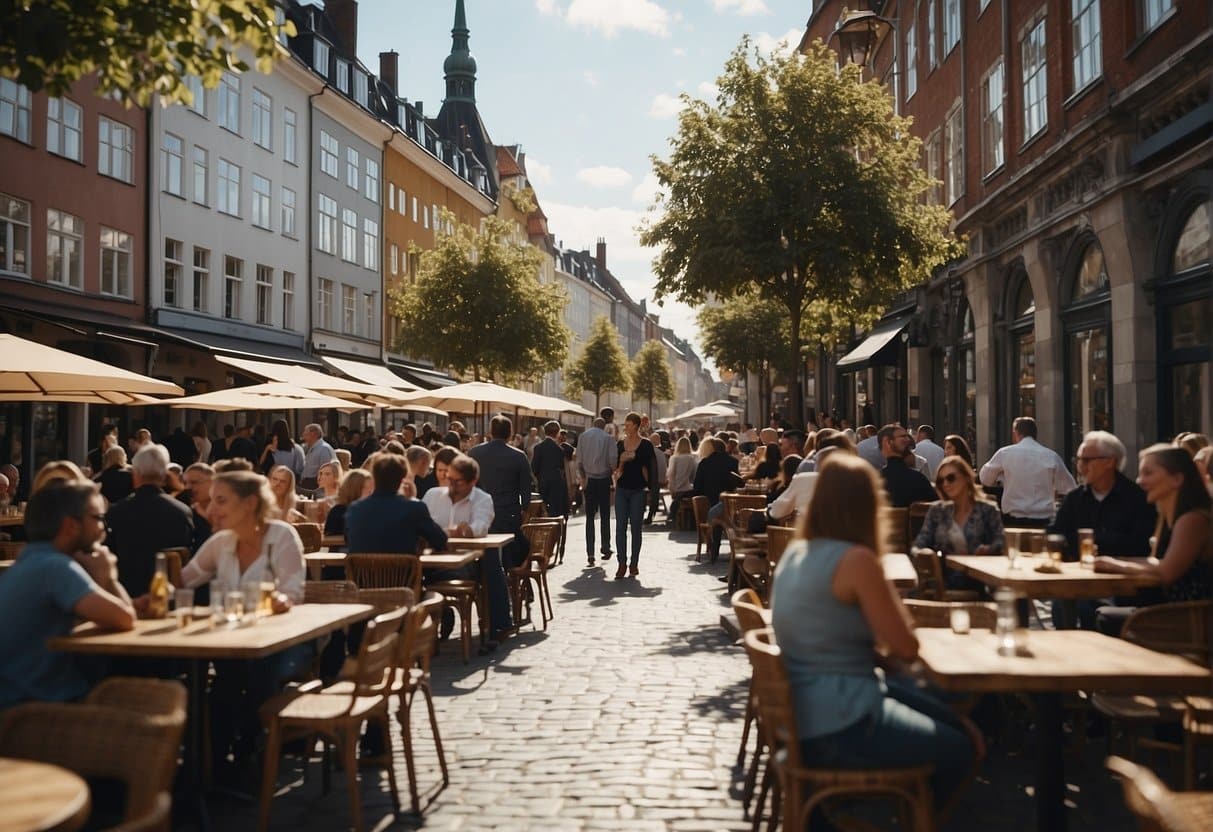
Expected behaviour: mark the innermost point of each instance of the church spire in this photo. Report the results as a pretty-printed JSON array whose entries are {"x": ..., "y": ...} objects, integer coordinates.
[{"x": 459, "y": 69}]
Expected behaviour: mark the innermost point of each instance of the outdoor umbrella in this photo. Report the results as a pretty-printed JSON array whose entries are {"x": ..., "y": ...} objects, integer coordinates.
[
  {"x": 310, "y": 379},
  {"x": 705, "y": 413},
  {"x": 269, "y": 396},
  {"x": 31, "y": 372},
  {"x": 465, "y": 398}
]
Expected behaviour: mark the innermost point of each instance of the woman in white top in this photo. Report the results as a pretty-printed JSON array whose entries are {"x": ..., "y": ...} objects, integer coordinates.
[
  {"x": 250, "y": 547},
  {"x": 681, "y": 471},
  {"x": 282, "y": 489},
  {"x": 202, "y": 443}
]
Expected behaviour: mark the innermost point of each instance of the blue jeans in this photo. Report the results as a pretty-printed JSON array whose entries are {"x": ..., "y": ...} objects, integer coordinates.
[
  {"x": 716, "y": 517},
  {"x": 629, "y": 511},
  {"x": 597, "y": 501},
  {"x": 912, "y": 728}
]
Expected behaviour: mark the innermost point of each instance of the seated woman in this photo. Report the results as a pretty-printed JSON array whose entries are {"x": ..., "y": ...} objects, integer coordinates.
[
  {"x": 964, "y": 521},
  {"x": 830, "y": 606},
  {"x": 115, "y": 478},
  {"x": 282, "y": 487},
  {"x": 787, "y": 470},
  {"x": 250, "y": 547},
  {"x": 768, "y": 467},
  {"x": 1183, "y": 551},
  {"x": 955, "y": 445},
  {"x": 442, "y": 464},
  {"x": 355, "y": 485},
  {"x": 328, "y": 480}
]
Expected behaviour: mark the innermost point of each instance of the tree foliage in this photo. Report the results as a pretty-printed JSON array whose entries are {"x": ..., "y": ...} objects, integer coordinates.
[
  {"x": 477, "y": 305},
  {"x": 601, "y": 365},
  {"x": 749, "y": 333},
  {"x": 800, "y": 184},
  {"x": 137, "y": 48},
  {"x": 651, "y": 378}
]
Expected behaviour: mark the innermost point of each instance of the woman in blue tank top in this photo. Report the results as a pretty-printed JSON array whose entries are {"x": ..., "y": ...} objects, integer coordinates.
[{"x": 830, "y": 607}]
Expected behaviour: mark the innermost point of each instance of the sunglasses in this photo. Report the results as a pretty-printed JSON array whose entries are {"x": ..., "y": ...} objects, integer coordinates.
[{"x": 948, "y": 479}]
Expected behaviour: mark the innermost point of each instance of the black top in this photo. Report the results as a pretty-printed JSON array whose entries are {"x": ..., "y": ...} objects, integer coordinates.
[
  {"x": 506, "y": 475},
  {"x": 632, "y": 472},
  {"x": 143, "y": 524},
  {"x": 716, "y": 474},
  {"x": 547, "y": 464},
  {"x": 904, "y": 485},
  {"x": 767, "y": 469},
  {"x": 334, "y": 523},
  {"x": 116, "y": 484},
  {"x": 425, "y": 483},
  {"x": 1123, "y": 521},
  {"x": 389, "y": 522}
]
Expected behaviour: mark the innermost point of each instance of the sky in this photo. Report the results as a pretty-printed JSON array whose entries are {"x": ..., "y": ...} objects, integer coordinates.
[{"x": 589, "y": 89}]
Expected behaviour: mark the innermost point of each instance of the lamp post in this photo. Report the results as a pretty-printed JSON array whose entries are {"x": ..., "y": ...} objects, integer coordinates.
[{"x": 859, "y": 33}]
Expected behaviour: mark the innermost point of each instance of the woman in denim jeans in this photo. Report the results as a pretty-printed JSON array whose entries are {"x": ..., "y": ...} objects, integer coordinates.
[
  {"x": 830, "y": 606},
  {"x": 633, "y": 475}
]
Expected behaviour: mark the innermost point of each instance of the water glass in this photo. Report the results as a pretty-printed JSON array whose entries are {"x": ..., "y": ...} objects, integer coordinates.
[
  {"x": 233, "y": 606},
  {"x": 252, "y": 599},
  {"x": 960, "y": 620},
  {"x": 1007, "y": 621},
  {"x": 1087, "y": 550},
  {"x": 1012, "y": 538},
  {"x": 218, "y": 592},
  {"x": 183, "y": 606}
]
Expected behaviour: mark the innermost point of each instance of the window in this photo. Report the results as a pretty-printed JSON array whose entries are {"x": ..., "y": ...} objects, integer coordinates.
[
  {"x": 1088, "y": 348},
  {"x": 402, "y": 204},
  {"x": 425, "y": 216},
  {"x": 262, "y": 202},
  {"x": 951, "y": 25},
  {"x": 368, "y": 303},
  {"x": 265, "y": 295},
  {"x": 288, "y": 135},
  {"x": 391, "y": 196},
  {"x": 14, "y": 235},
  {"x": 64, "y": 121},
  {"x": 328, "y": 154},
  {"x": 934, "y": 166},
  {"x": 370, "y": 243},
  {"x": 326, "y": 225},
  {"x": 116, "y": 149},
  {"x": 263, "y": 120},
  {"x": 349, "y": 235},
  {"x": 991, "y": 118},
  {"x": 174, "y": 271},
  {"x": 229, "y": 188},
  {"x": 172, "y": 162},
  {"x": 372, "y": 180},
  {"x": 932, "y": 55},
  {"x": 1088, "y": 57},
  {"x": 14, "y": 110},
  {"x": 229, "y": 102},
  {"x": 360, "y": 92},
  {"x": 1035, "y": 95},
  {"x": 200, "y": 176},
  {"x": 324, "y": 304},
  {"x": 288, "y": 212},
  {"x": 64, "y": 247},
  {"x": 954, "y": 155},
  {"x": 1022, "y": 330},
  {"x": 1154, "y": 12},
  {"x": 116, "y": 250},
  {"x": 911, "y": 61},
  {"x": 351, "y": 167},
  {"x": 288, "y": 300},
  {"x": 1184, "y": 309},
  {"x": 198, "y": 105},
  {"x": 343, "y": 76},
  {"x": 233, "y": 277},
  {"x": 414, "y": 209},
  {"x": 349, "y": 314},
  {"x": 394, "y": 256},
  {"x": 202, "y": 272},
  {"x": 320, "y": 57}
]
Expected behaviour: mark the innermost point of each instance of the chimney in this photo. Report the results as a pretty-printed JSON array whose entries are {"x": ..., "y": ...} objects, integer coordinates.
[
  {"x": 343, "y": 14},
  {"x": 600, "y": 257},
  {"x": 419, "y": 106},
  {"x": 389, "y": 69}
]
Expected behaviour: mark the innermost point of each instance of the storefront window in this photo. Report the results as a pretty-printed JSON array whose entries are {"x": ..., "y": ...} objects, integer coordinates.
[
  {"x": 1185, "y": 309},
  {"x": 1088, "y": 354},
  {"x": 1022, "y": 353}
]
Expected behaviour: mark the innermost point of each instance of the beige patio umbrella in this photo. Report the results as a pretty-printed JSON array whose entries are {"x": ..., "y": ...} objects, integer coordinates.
[
  {"x": 310, "y": 379},
  {"x": 465, "y": 398},
  {"x": 31, "y": 372},
  {"x": 270, "y": 396}
]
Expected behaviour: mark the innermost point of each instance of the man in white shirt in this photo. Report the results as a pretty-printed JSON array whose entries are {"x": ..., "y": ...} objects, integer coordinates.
[
  {"x": 926, "y": 448},
  {"x": 1031, "y": 476},
  {"x": 461, "y": 508},
  {"x": 869, "y": 447}
]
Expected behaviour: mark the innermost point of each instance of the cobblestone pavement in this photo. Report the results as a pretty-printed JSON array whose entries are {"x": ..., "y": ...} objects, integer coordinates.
[{"x": 625, "y": 714}]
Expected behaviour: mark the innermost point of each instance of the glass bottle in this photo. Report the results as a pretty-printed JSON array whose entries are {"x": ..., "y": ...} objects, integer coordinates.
[
  {"x": 269, "y": 584},
  {"x": 159, "y": 591}
]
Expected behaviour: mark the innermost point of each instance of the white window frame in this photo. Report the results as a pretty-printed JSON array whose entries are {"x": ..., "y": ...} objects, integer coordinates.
[
  {"x": 320, "y": 57},
  {"x": 233, "y": 286},
  {"x": 371, "y": 189},
  {"x": 370, "y": 243},
  {"x": 200, "y": 287},
  {"x": 1087, "y": 41},
  {"x": 349, "y": 235},
  {"x": 263, "y": 120},
  {"x": 288, "y": 300},
  {"x": 330, "y": 148},
  {"x": 290, "y": 140},
  {"x": 361, "y": 91},
  {"x": 993, "y": 120},
  {"x": 349, "y": 309},
  {"x": 933, "y": 148},
  {"x": 172, "y": 165},
  {"x": 951, "y": 25},
  {"x": 343, "y": 76},
  {"x": 351, "y": 167},
  {"x": 324, "y": 303},
  {"x": 194, "y": 83},
  {"x": 394, "y": 258},
  {"x": 265, "y": 294},
  {"x": 391, "y": 196},
  {"x": 115, "y": 150},
  {"x": 368, "y": 301},
  {"x": 200, "y": 164},
  {"x": 16, "y": 110},
  {"x": 65, "y": 128},
  {"x": 911, "y": 60},
  {"x": 954, "y": 156},
  {"x": 1154, "y": 12},
  {"x": 117, "y": 252},
  {"x": 62, "y": 241},
  {"x": 932, "y": 52},
  {"x": 326, "y": 224},
  {"x": 289, "y": 207},
  {"x": 227, "y": 189},
  {"x": 229, "y": 102},
  {"x": 1034, "y": 67},
  {"x": 262, "y": 202},
  {"x": 174, "y": 272},
  {"x": 15, "y": 232}
]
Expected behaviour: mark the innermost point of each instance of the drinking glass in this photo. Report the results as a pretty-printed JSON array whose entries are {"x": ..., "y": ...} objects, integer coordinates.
[
  {"x": 959, "y": 620},
  {"x": 183, "y": 606},
  {"x": 218, "y": 592},
  {"x": 233, "y": 606},
  {"x": 1007, "y": 621},
  {"x": 252, "y": 599},
  {"x": 1012, "y": 542},
  {"x": 1057, "y": 546},
  {"x": 1087, "y": 550},
  {"x": 1036, "y": 545}
]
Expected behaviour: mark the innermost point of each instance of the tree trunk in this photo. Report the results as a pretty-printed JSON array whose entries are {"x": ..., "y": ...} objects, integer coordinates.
[
  {"x": 597, "y": 402},
  {"x": 795, "y": 392},
  {"x": 651, "y": 419}
]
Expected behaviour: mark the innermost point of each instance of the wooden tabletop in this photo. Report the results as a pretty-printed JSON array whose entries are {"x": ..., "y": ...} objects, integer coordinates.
[
  {"x": 1055, "y": 661},
  {"x": 899, "y": 569},
  {"x": 434, "y": 560},
  {"x": 38, "y": 796},
  {"x": 1071, "y": 583},
  {"x": 333, "y": 540},
  {"x": 5, "y": 564},
  {"x": 492, "y": 540},
  {"x": 12, "y": 520},
  {"x": 201, "y": 640}
]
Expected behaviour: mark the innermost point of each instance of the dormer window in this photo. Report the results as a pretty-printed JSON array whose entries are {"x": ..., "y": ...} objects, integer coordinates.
[
  {"x": 320, "y": 57},
  {"x": 360, "y": 91},
  {"x": 343, "y": 76},
  {"x": 402, "y": 115}
]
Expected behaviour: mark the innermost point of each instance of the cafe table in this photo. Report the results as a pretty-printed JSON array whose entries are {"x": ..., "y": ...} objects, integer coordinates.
[
  {"x": 40, "y": 796},
  {"x": 316, "y": 561},
  {"x": 12, "y": 520},
  {"x": 1071, "y": 583},
  {"x": 1053, "y": 662},
  {"x": 201, "y": 642}
]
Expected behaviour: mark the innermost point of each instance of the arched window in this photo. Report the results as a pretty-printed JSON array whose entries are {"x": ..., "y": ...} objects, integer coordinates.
[
  {"x": 967, "y": 392},
  {"x": 1022, "y": 321},
  {"x": 1086, "y": 319},
  {"x": 1185, "y": 310}
]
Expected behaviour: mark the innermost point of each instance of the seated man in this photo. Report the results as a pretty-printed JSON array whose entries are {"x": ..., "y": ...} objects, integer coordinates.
[
  {"x": 387, "y": 521},
  {"x": 148, "y": 521},
  {"x": 62, "y": 574}
]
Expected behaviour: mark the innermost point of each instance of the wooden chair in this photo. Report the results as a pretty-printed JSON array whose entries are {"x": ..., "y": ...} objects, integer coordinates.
[
  {"x": 127, "y": 730},
  {"x": 338, "y": 715},
  {"x": 917, "y": 515},
  {"x": 936, "y": 614},
  {"x": 1157, "y": 808},
  {"x": 740, "y": 546},
  {"x": 931, "y": 585},
  {"x": 311, "y": 535},
  {"x": 9, "y": 549},
  {"x": 804, "y": 789},
  {"x": 747, "y": 606},
  {"x": 1198, "y": 731},
  {"x": 534, "y": 510},
  {"x": 684, "y": 515},
  {"x": 897, "y": 521},
  {"x": 461, "y": 594},
  {"x": 330, "y": 592},
  {"x": 700, "y": 507},
  {"x": 385, "y": 571},
  {"x": 543, "y": 538},
  {"x": 157, "y": 820},
  {"x": 778, "y": 540}
]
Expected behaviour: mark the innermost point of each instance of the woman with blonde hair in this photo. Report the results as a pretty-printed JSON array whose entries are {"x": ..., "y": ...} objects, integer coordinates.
[
  {"x": 282, "y": 488},
  {"x": 355, "y": 485},
  {"x": 328, "y": 480},
  {"x": 681, "y": 472},
  {"x": 830, "y": 606},
  {"x": 57, "y": 470},
  {"x": 115, "y": 478}
]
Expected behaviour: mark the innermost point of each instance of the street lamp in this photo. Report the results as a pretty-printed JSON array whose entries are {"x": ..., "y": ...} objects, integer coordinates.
[{"x": 859, "y": 33}]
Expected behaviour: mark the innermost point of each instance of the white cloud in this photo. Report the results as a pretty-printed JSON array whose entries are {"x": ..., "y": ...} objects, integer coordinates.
[
  {"x": 537, "y": 172},
  {"x": 709, "y": 91},
  {"x": 768, "y": 43},
  {"x": 646, "y": 190},
  {"x": 665, "y": 106},
  {"x": 610, "y": 16},
  {"x": 549, "y": 7},
  {"x": 679, "y": 52},
  {"x": 590, "y": 78},
  {"x": 745, "y": 8},
  {"x": 604, "y": 176}
]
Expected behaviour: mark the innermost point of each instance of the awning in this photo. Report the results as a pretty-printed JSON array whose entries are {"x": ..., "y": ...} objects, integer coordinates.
[
  {"x": 310, "y": 379},
  {"x": 869, "y": 352},
  {"x": 427, "y": 377},
  {"x": 270, "y": 396},
  {"x": 368, "y": 373},
  {"x": 262, "y": 350}
]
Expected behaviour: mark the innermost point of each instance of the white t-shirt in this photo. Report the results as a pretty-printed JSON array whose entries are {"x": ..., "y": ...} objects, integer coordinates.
[{"x": 216, "y": 560}]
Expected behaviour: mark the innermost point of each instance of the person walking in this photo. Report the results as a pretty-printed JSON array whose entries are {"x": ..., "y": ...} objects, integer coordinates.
[
  {"x": 597, "y": 455},
  {"x": 1031, "y": 475},
  {"x": 547, "y": 464},
  {"x": 633, "y": 478}
]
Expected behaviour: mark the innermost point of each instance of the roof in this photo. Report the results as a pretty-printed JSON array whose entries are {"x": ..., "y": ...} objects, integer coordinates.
[{"x": 507, "y": 165}]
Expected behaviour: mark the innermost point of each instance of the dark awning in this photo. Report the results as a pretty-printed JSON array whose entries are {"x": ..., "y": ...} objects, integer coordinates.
[
  {"x": 427, "y": 377},
  {"x": 240, "y": 347},
  {"x": 874, "y": 349}
]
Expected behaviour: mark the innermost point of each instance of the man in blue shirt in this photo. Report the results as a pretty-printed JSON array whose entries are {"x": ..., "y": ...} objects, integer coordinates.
[
  {"x": 62, "y": 574},
  {"x": 597, "y": 456},
  {"x": 387, "y": 521}
]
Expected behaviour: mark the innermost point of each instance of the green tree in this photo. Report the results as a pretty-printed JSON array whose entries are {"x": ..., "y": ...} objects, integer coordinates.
[
  {"x": 748, "y": 333},
  {"x": 477, "y": 305},
  {"x": 651, "y": 377},
  {"x": 800, "y": 184},
  {"x": 601, "y": 365},
  {"x": 137, "y": 48}
]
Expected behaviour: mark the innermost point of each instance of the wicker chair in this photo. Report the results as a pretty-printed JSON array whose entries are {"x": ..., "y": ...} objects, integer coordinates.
[
  {"x": 127, "y": 729},
  {"x": 804, "y": 789},
  {"x": 747, "y": 606},
  {"x": 330, "y": 592},
  {"x": 461, "y": 594},
  {"x": 935, "y": 614},
  {"x": 931, "y": 585},
  {"x": 385, "y": 571},
  {"x": 338, "y": 715},
  {"x": 157, "y": 820},
  {"x": 543, "y": 537},
  {"x": 778, "y": 540},
  {"x": 311, "y": 535},
  {"x": 9, "y": 549},
  {"x": 740, "y": 546},
  {"x": 1157, "y": 808},
  {"x": 701, "y": 507}
]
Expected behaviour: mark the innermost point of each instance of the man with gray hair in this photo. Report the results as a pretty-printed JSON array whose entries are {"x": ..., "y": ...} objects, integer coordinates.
[
  {"x": 10, "y": 473},
  {"x": 316, "y": 452},
  {"x": 148, "y": 521}
]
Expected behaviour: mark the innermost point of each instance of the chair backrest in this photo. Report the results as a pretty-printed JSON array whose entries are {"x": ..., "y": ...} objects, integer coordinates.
[
  {"x": 917, "y": 516},
  {"x": 9, "y": 549},
  {"x": 533, "y": 511},
  {"x": 898, "y": 523},
  {"x": 778, "y": 540},
  {"x": 747, "y": 606},
  {"x": 420, "y": 634},
  {"x": 377, "y": 654},
  {"x": 384, "y": 571},
  {"x": 735, "y": 503},
  {"x": 699, "y": 504},
  {"x": 386, "y": 599},
  {"x": 939, "y": 613},
  {"x": 773, "y": 693},
  {"x": 157, "y": 820},
  {"x": 330, "y": 592},
  {"x": 311, "y": 535},
  {"x": 157, "y": 699},
  {"x": 930, "y": 574},
  {"x": 1180, "y": 627},
  {"x": 542, "y": 537},
  {"x": 1149, "y": 800}
]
